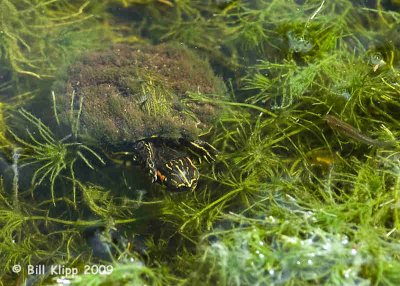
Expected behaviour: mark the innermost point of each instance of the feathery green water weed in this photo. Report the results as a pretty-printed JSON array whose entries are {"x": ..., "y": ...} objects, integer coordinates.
[
  {"x": 105, "y": 205},
  {"x": 35, "y": 34},
  {"x": 4, "y": 141},
  {"x": 288, "y": 201},
  {"x": 282, "y": 239},
  {"x": 23, "y": 240},
  {"x": 52, "y": 154},
  {"x": 247, "y": 161},
  {"x": 134, "y": 272},
  {"x": 250, "y": 257}
]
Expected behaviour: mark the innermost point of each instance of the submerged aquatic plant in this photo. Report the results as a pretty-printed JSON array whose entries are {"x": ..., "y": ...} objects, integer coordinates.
[
  {"x": 316, "y": 231},
  {"x": 36, "y": 34},
  {"x": 251, "y": 256},
  {"x": 4, "y": 141},
  {"x": 133, "y": 272},
  {"x": 53, "y": 155},
  {"x": 288, "y": 201}
]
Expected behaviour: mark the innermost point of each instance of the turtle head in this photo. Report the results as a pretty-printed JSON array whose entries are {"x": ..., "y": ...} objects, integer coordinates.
[{"x": 179, "y": 174}]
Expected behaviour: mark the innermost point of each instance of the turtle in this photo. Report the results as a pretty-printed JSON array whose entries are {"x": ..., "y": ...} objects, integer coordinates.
[{"x": 137, "y": 102}]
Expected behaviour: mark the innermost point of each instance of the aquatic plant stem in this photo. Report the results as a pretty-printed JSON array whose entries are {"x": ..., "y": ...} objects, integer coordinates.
[
  {"x": 79, "y": 222},
  {"x": 53, "y": 97},
  {"x": 231, "y": 103},
  {"x": 216, "y": 202},
  {"x": 247, "y": 105},
  {"x": 16, "y": 177},
  {"x": 396, "y": 191}
]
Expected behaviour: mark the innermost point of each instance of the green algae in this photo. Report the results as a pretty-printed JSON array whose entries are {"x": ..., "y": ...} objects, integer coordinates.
[
  {"x": 288, "y": 201},
  {"x": 129, "y": 93}
]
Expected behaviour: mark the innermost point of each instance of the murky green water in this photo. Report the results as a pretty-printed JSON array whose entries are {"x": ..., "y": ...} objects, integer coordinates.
[{"x": 110, "y": 114}]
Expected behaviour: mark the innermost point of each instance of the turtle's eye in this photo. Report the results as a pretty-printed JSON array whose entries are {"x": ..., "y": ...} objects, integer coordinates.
[{"x": 180, "y": 174}]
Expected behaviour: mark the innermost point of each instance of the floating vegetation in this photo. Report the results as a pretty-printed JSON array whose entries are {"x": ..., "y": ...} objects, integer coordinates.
[{"x": 305, "y": 186}]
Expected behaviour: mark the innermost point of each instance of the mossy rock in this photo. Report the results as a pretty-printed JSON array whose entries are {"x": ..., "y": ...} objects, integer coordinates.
[{"x": 129, "y": 93}]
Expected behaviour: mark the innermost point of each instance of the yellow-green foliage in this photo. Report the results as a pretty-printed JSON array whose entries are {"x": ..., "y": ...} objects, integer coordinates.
[
  {"x": 127, "y": 3},
  {"x": 36, "y": 36},
  {"x": 52, "y": 154},
  {"x": 130, "y": 273},
  {"x": 105, "y": 205},
  {"x": 290, "y": 200},
  {"x": 4, "y": 141},
  {"x": 157, "y": 100}
]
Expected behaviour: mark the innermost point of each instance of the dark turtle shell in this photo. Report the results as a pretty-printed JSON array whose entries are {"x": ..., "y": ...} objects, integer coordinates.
[{"x": 130, "y": 93}]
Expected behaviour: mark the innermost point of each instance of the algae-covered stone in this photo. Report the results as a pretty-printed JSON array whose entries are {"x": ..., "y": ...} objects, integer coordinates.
[{"x": 140, "y": 95}]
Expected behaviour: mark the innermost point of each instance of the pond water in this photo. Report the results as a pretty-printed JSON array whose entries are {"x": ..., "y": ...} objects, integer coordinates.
[{"x": 204, "y": 142}]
